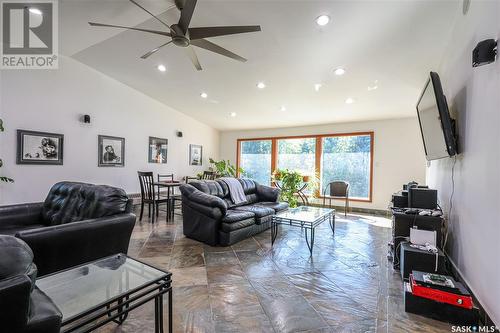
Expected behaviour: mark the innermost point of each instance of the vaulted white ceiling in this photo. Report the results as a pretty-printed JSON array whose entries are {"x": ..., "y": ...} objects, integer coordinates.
[{"x": 394, "y": 42}]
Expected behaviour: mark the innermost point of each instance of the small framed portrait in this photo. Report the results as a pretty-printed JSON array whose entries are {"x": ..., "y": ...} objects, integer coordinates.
[
  {"x": 39, "y": 148},
  {"x": 111, "y": 151},
  {"x": 158, "y": 149},
  {"x": 195, "y": 155}
]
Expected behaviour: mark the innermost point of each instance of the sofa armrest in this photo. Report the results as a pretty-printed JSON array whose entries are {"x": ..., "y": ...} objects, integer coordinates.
[
  {"x": 67, "y": 245},
  {"x": 14, "y": 302},
  {"x": 197, "y": 197},
  {"x": 21, "y": 214},
  {"x": 267, "y": 193}
]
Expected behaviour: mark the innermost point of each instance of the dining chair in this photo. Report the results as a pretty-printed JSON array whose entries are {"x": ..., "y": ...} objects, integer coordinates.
[
  {"x": 337, "y": 190},
  {"x": 208, "y": 175},
  {"x": 148, "y": 195},
  {"x": 188, "y": 179},
  {"x": 173, "y": 197}
]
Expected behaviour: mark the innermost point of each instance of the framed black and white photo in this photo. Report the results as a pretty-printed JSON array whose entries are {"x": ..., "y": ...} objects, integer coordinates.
[
  {"x": 158, "y": 149},
  {"x": 195, "y": 154},
  {"x": 111, "y": 151},
  {"x": 39, "y": 148}
]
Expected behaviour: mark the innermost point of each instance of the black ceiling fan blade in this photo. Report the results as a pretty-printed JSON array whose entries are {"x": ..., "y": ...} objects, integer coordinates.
[
  {"x": 194, "y": 58},
  {"x": 187, "y": 14},
  {"x": 205, "y": 44},
  {"x": 145, "y": 56},
  {"x": 205, "y": 32},
  {"x": 130, "y": 28},
  {"x": 153, "y": 15}
]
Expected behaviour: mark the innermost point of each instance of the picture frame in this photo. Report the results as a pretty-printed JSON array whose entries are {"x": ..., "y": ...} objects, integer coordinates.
[
  {"x": 157, "y": 150},
  {"x": 40, "y": 148},
  {"x": 195, "y": 155},
  {"x": 111, "y": 151}
]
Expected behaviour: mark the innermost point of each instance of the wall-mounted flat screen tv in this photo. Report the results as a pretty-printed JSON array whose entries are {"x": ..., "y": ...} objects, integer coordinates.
[{"x": 436, "y": 125}]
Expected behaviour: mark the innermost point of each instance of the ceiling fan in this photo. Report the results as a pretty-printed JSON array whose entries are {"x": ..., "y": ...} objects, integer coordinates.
[{"x": 184, "y": 36}]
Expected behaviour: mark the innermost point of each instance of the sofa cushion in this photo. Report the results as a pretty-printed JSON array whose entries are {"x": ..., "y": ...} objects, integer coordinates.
[
  {"x": 259, "y": 211},
  {"x": 72, "y": 201},
  {"x": 233, "y": 215},
  {"x": 211, "y": 187},
  {"x": 235, "y": 220},
  {"x": 277, "y": 206}
]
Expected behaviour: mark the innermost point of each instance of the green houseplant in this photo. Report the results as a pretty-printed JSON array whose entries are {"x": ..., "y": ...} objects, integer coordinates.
[
  {"x": 2, "y": 178},
  {"x": 290, "y": 183},
  {"x": 224, "y": 168}
]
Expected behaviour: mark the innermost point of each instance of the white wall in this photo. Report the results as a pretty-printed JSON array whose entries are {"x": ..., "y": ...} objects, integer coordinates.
[
  {"x": 52, "y": 101},
  {"x": 474, "y": 240},
  {"x": 398, "y": 152}
]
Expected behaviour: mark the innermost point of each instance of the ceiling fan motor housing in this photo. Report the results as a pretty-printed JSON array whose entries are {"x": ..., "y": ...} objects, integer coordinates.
[{"x": 178, "y": 36}]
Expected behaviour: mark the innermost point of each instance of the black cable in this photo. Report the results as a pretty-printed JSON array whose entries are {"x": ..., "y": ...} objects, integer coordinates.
[{"x": 450, "y": 206}]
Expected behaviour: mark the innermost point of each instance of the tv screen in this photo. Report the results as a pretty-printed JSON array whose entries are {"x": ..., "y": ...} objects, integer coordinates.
[{"x": 436, "y": 126}]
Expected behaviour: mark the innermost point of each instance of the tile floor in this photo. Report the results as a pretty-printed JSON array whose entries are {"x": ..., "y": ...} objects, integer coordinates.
[{"x": 346, "y": 286}]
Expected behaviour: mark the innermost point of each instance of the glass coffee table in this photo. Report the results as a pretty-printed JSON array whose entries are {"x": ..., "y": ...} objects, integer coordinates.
[
  {"x": 306, "y": 217},
  {"x": 105, "y": 290}
]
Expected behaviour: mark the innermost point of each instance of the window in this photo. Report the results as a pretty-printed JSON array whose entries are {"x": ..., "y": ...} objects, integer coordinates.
[
  {"x": 255, "y": 160},
  {"x": 297, "y": 154},
  {"x": 347, "y": 158}
]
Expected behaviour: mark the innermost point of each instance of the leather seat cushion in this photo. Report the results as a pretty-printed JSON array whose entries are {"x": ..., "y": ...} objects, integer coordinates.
[
  {"x": 277, "y": 206},
  {"x": 259, "y": 211},
  {"x": 228, "y": 227},
  {"x": 233, "y": 215}
]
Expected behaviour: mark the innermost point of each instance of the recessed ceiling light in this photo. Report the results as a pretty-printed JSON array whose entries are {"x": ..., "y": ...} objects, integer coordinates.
[
  {"x": 261, "y": 85},
  {"x": 318, "y": 86},
  {"x": 204, "y": 95},
  {"x": 162, "y": 68},
  {"x": 339, "y": 71},
  {"x": 35, "y": 11},
  {"x": 323, "y": 20},
  {"x": 283, "y": 108},
  {"x": 233, "y": 114},
  {"x": 349, "y": 100},
  {"x": 374, "y": 86}
]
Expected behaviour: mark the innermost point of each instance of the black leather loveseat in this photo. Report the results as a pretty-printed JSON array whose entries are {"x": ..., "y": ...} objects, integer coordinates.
[
  {"x": 210, "y": 216},
  {"x": 77, "y": 223}
]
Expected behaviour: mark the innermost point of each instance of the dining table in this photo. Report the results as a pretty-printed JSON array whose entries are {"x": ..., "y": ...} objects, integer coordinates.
[{"x": 170, "y": 186}]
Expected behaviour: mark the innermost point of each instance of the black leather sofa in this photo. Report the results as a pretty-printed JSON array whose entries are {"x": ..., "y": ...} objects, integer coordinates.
[
  {"x": 23, "y": 307},
  {"x": 210, "y": 216},
  {"x": 77, "y": 223}
]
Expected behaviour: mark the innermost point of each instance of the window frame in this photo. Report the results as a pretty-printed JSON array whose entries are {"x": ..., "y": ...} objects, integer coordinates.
[{"x": 318, "y": 155}]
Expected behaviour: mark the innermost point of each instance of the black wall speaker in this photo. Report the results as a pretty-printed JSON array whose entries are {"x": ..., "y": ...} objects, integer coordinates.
[
  {"x": 179, "y": 134},
  {"x": 86, "y": 119}
]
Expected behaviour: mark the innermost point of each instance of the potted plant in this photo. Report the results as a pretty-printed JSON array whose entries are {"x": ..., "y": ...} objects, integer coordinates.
[
  {"x": 224, "y": 168},
  {"x": 2, "y": 178},
  {"x": 290, "y": 183}
]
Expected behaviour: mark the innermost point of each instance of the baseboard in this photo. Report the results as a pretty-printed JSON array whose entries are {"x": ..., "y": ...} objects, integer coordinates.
[
  {"x": 484, "y": 318},
  {"x": 340, "y": 209}
]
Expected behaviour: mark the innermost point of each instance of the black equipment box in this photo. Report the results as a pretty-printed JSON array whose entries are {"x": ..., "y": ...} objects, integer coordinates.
[
  {"x": 439, "y": 311},
  {"x": 415, "y": 259},
  {"x": 399, "y": 200},
  {"x": 424, "y": 198},
  {"x": 402, "y": 223}
]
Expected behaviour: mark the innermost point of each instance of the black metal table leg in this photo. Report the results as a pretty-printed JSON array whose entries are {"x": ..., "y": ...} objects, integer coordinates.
[
  {"x": 274, "y": 232},
  {"x": 158, "y": 314},
  {"x": 332, "y": 223},
  {"x": 310, "y": 244},
  {"x": 170, "y": 312}
]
